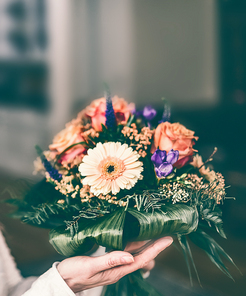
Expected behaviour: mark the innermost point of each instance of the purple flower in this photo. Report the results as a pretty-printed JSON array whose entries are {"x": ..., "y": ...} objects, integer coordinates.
[
  {"x": 137, "y": 113},
  {"x": 172, "y": 156},
  {"x": 54, "y": 174},
  {"x": 109, "y": 113},
  {"x": 149, "y": 113},
  {"x": 164, "y": 170},
  {"x": 164, "y": 161},
  {"x": 158, "y": 157}
]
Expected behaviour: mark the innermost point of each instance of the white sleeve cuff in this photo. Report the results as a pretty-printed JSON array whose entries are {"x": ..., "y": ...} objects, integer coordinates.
[{"x": 50, "y": 284}]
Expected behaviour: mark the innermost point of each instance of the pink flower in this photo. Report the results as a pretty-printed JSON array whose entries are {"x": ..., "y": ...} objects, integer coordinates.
[
  {"x": 67, "y": 137},
  {"x": 96, "y": 111},
  {"x": 177, "y": 137}
]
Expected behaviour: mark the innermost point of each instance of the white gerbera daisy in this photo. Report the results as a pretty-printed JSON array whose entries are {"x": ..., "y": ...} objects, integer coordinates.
[{"x": 110, "y": 167}]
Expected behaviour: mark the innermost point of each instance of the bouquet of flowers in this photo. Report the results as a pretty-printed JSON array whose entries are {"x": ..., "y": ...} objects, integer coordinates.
[{"x": 113, "y": 176}]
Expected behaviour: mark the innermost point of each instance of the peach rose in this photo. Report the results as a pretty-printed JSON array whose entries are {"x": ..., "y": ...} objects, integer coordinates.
[
  {"x": 96, "y": 111},
  {"x": 67, "y": 137},
  {"x": 177, "y": 137}
]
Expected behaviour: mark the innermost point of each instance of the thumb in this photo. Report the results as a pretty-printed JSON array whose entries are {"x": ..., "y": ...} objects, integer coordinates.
[{"x": 111, "y": 260}]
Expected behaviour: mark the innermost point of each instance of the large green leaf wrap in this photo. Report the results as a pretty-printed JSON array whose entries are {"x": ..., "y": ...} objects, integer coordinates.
[
  {"x": 105, "y": 231},
  {"x": 116, "y": 229},
  {"x": 172, "y": 219}
]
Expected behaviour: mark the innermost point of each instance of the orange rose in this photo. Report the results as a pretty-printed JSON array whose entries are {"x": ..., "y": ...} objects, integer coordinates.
[
  {"x": 96, "y": 111},
  {"x": 67, "y": 137},
  {"x": 177, "y": 137}
]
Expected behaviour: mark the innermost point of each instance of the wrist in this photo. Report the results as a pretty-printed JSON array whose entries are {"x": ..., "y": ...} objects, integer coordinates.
[{"x": 68, "y": 279}]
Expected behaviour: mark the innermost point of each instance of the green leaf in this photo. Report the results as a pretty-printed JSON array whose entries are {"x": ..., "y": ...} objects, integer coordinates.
[
  {"x": 188, "y": 257},
  {"x": 172, "y": 219},
  {"x": 220, "y": 230},
  {"x": 116, "y": 229},
  {"x": 212, "y": 249},
  {"x": 130, "y": 285},
  {"x": 214, "y": 217},
  {"x": 130, "y": 120},
  {"x": 42, "y": 192},
  {"x": 104, "y": 129},
  {"x": 106, "y": 231},
  {"x": 121, "y": 288},
  {"x": 140, "y": 286},
  {"x": 18, "y": 189}
]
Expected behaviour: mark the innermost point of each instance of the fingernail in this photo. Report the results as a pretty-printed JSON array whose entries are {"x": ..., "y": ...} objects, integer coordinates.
[
  {"x": 169, "y": 240},
  {"x": 127, "y": 259}
]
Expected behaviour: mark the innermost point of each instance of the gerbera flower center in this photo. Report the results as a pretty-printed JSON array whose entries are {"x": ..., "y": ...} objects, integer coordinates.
[{"x": 111, "y": 168}]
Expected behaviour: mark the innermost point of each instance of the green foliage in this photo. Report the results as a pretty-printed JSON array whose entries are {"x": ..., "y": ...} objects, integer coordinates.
[
  {"x": 88, "y": 213},
  {"x": 182, "y": 239},
  {"x": 106, "y": 231},
  {"x": 213, "y": 217},
  {"x": 170, "y": 220},
  {"x": 38, "y": 205},
  {"x": 130, "y": 285},
  {"x": 20, "y": 188},
  {"x": 212, "y": 249},
  {"x": 147, "y": 200},
  {"x": 116, "y": 229}
]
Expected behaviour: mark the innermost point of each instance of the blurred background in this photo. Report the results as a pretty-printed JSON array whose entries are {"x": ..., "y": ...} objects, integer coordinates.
[{"x": 54, "y": 58}]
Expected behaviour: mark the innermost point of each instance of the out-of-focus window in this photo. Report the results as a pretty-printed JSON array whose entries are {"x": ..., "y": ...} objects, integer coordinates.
[{"x": 23, "y": 41}]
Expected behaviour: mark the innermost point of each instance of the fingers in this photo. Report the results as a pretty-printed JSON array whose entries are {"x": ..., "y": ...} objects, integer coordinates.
[
  {"x": 111, "y": 260},
  {"x": 82, "y": 273},
  {"x": 143, "y": 259},
  {"x": 151, "y": 252},
  {"x": 150, "y": 265}
]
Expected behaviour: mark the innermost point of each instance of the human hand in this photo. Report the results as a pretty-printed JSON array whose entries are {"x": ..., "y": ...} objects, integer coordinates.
[
  {"x": 135, "y": 248},
  {"x": 82, "y": 272}
]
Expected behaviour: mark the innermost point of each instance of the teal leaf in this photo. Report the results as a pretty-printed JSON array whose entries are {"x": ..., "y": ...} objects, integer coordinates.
[
  {"x": 172, "y": 219},
  {"x": 214, "y": 218},
  {"x": 188, "y": 257},
  {"x": 131, "y": 285},
  {"x": 116, "y": 229},
  {"x": 106, "y": 231},
  {"x": 212, "y": 249}
]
